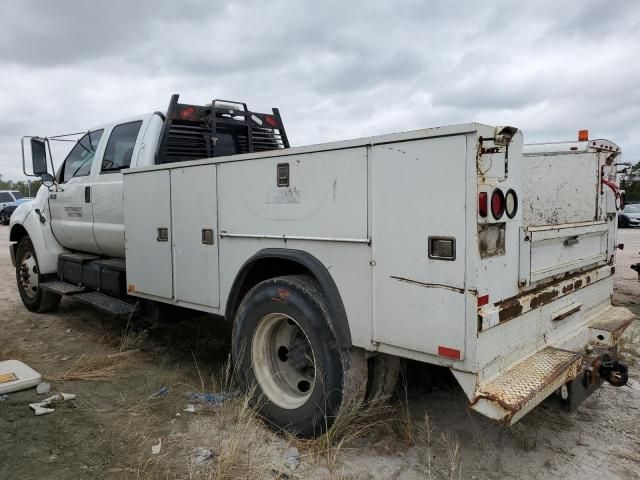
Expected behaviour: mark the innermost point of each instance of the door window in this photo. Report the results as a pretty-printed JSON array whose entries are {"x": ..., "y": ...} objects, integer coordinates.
[
  {"x": 78, "y": 162},
  {"x": 120, "y": 147},
  {"x": 5, "y": 197},
  {"x": 17, "y": 195}
]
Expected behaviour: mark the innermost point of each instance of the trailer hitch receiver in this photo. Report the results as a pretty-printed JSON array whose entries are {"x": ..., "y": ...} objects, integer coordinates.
[{"x": 616, "y": 373}]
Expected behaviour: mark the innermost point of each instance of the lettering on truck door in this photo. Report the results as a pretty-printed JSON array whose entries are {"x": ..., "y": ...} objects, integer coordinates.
[{"x": 71, "y": 206}]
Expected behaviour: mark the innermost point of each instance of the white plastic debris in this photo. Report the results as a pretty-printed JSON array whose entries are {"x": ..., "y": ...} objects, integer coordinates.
[
  {"x": 191, "y": 408},
  {"x": 202, "y": 454},
  {"x": 43, "y": 388},
  {"x": 44, "y": 407},
  {"x": 155, "y": 449},
  {"x": 3, "y": 397},
  {"x": 40, "y": 410},
  {"x": 15, "y": 376},
  {"x": 292, "y": 458}
]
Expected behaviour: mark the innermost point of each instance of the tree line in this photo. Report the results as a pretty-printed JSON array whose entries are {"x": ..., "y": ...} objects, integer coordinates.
[{"x": 20, "y": 186}]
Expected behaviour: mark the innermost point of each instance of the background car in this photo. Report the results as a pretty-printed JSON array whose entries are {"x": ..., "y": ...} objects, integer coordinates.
[
  {"x": 8, "y": 208},
  {"x": 630, "y": 216}
]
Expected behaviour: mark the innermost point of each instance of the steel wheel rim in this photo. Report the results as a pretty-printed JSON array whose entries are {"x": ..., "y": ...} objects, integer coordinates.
[
  {"x": 29, "y": 275},
  {"x": 283, "y": 361}
]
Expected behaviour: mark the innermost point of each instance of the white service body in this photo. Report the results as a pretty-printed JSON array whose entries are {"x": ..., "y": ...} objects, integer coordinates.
[{"x": 367, "y": 210}]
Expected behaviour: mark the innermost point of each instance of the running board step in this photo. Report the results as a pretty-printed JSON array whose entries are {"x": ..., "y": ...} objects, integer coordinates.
[
  {"x": 514, "y": 393},
  {"x": 106, "y": 303},
  {"x": 62, "y": 288}
]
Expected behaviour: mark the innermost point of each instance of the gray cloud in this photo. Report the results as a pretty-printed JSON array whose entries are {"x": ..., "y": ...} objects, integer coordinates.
[{"x": 336, "y": 69}]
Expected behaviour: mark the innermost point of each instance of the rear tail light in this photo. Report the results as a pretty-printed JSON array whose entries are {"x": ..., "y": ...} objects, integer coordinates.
[
  {"x": 482, "y": 204},
  {"x": 497, "y": 204},
  {"x": 483, "y": 300},
  {"x": 511, "y": 203}
]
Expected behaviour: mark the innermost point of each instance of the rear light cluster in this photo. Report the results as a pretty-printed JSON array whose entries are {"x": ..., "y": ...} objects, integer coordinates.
[{"x": 501, "y": 203}]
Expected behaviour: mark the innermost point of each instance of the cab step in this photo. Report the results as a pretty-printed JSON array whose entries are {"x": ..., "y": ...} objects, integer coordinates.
[
  {"x": 62, "y": 288},
  {"x": 106, "y": 303},
  {"x": 514, "y": 393}
]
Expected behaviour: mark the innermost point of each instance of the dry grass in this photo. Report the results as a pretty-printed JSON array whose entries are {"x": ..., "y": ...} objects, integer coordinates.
[
  {"x": 96, "y": 367},
  {"x": 355, "y": 421}
]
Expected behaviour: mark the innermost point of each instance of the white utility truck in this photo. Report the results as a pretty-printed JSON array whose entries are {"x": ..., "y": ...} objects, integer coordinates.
[{"x": 443, "y": 245}]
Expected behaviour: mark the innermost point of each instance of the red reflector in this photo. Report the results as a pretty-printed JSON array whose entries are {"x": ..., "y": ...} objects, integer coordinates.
[
  {"x": 448, "y": 352},
  {"x": 482, "y": 204},
  {"x": 583, "y": 135},
  {"x": 271, "y": 121},
  {"x": 187, "y": 112},
  {"x": 483, "y": 300},
  {"x": 497, "y": 204}
]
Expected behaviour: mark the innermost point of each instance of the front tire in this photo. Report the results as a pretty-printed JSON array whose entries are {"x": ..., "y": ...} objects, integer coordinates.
[
  {"x": 28, "y": 279},
  {"x": 288, "y": 358}
]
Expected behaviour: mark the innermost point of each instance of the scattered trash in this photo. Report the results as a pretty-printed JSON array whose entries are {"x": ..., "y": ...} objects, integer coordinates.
[
  {"x": 3, "y": 397},
  {"x": 43, "y": 407},
  {"x": 292, "y": 458},
  {"x": 202, "y": 455},
  {"x": 282, "y": 476},
  {"x": 68, "y": 330},
  {"x": 191, "y": 408},
  {"x": 43, "y": 388},
  {"x": 163, "y": 392},
  {"x": 15, "y": 376},
  {"x": 155, "y": 449},
  {"x": 64, "y": 359},
  {"x": 38, "y": 409},
  {"x": 212, "y": 399}
]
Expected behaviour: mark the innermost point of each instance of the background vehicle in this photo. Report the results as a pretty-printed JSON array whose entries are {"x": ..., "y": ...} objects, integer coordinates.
[
  {"x": 6, "y": 211},
  {"x": 9, "y": 196},
  {"x": 630, "y": 216},
  {"x": 333, "y": 261}
]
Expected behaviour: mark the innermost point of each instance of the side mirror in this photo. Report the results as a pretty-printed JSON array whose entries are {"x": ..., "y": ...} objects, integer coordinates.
[
  {"x": 47, "y": 180},
  {"x": 38, "y": 156}
]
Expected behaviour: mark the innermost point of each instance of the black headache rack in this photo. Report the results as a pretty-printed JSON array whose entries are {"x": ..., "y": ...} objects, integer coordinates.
[{"x": 193, "y": 132}]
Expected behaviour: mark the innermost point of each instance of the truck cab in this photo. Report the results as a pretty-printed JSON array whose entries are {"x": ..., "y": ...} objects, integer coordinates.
[{"x": 87, "y": 211}]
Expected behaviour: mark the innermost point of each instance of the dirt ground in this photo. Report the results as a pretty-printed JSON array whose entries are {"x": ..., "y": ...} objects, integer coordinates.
[{"x": 114, "y": 369}]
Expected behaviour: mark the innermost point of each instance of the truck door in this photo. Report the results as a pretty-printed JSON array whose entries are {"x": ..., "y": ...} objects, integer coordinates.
[
  {"x": 108, "y": 207},
  {"x": 70, "y": 206}
]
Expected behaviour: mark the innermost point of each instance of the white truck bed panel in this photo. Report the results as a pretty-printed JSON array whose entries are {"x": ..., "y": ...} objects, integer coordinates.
[
  {"x": 149, "y": 266},
  {"x": 326, "y": 196},
  {"x": 418, "y": 191},
  {"x": 194, "y": 210}
]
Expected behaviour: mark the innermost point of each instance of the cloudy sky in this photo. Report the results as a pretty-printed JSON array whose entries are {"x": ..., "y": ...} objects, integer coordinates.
[{"x": 336, "y": 69}]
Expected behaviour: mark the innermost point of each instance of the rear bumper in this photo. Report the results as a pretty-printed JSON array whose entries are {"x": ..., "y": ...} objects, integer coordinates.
[{"x": 571, "y": 374}]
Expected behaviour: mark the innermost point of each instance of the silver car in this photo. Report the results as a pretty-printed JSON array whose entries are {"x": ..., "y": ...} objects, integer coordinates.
[{"x": 630, "y": 216}]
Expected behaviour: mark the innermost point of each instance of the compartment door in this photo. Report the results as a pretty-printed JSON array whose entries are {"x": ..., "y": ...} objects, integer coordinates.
[
  {"x": 195, "y": 235},
  {"x": 147, "y": 220},
  {"x": 419, "y": 196}
]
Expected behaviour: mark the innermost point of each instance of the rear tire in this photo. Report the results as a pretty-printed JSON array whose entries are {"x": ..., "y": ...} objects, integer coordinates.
[
  {"x": 28, "y": 279},
  {"x": 288, "y": 359}
]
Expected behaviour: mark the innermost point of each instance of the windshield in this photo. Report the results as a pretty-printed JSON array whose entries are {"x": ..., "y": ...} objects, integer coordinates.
[
  {"x": 17, "y": 195},
  {"x": 632, "y": 208}
]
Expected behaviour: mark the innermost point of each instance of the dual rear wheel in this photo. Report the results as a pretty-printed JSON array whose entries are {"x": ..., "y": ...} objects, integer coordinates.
[{"x": 287, "y": 355}]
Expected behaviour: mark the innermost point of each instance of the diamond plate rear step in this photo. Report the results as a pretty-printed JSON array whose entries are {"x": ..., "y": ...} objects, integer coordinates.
[
  {"x": 514, "y": 393},
  {"x": 62, "y": 288},
  {"x": 105, "y": 303}
]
